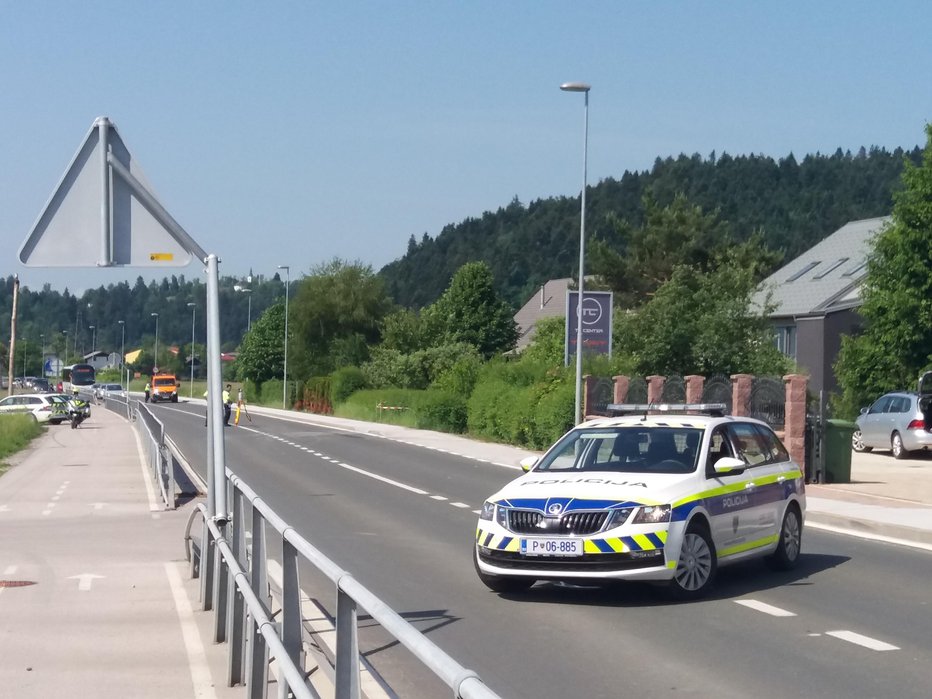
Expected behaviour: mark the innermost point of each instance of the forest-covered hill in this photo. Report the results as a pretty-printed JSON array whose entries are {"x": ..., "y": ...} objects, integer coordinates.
[{"x": 792, "y": 204}]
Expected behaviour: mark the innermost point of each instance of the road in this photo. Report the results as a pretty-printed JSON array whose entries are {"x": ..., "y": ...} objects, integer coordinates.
[{"x": 853, "y": 620}]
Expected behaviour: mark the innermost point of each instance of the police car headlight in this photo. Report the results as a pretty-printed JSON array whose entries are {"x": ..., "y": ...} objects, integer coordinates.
[
  {"x": 652, "y": 515},
  {"x": 488, "y": 511},
  {"x": 618, "y": 517}
]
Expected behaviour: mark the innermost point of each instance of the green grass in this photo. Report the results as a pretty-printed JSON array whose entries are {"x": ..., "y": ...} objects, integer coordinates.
[{"x": 16, "y": 431}]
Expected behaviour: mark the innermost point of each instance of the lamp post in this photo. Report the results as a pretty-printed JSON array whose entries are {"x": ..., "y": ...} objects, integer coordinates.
[
  {"x": 93, "y": 329},
  {"x": 584, "y": 88},
  {"x": 193, "y": 307},
  {"x": 64, "y": 352},
  {"x": 155, "y": 359},
  {"x": 42, "y": 355},
  {"x": 287, "y": 287},
  {"x": 246, "y": 290},
  {"x": 123, "y": 354},
  {"x": 25, "y": 351}
]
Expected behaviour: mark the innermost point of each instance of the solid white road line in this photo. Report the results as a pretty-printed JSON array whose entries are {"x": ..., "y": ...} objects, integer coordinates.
[
  {"x": 858, "y": 639},
  {"x": 197, "y": 658}
]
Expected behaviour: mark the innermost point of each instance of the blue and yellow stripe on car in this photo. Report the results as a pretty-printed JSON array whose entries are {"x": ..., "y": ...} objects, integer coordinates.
[{"x": 616, "y": 544}]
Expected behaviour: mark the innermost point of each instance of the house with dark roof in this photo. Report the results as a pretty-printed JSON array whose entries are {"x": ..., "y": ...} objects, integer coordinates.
[
  {"x": 549, "y": 301},
  {"x": 817, "y": 297}
]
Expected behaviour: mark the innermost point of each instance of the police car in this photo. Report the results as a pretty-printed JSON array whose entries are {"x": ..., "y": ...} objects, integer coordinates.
[{"x": 658, "y": 493}]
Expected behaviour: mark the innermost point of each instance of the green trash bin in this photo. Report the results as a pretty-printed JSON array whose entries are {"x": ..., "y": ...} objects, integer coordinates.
[{"x": 838, "y": 450}]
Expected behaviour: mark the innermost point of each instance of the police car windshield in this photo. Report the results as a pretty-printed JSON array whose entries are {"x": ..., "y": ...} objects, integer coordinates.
[{"x": 626, "y": 449}]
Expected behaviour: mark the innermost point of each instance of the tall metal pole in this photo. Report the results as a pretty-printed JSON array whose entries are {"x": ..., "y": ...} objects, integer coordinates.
[
  {"x": 10, "y": 368},
  {"x": 216, "y": 484},
  {"x": 287, "y": 289},
  {"x": 123, "y": 355},
  {"x": 584, "y": 88},
  {"x": 155, "y": 359},
  {"x": 193, "y": 307}
]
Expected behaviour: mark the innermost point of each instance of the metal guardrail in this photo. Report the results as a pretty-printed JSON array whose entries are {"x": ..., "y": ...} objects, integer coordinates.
[
  {"x": 152, "y": 431},
  {"x": 235, "y": 584}
]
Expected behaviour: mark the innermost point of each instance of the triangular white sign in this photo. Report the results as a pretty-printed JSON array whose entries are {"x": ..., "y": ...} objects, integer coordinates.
[{"x": 97, "y": 218}]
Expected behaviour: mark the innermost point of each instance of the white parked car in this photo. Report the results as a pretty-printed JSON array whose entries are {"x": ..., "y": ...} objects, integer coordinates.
[
  {"x": 49, "y": 407},
  {"x": 653, "y": 496}
]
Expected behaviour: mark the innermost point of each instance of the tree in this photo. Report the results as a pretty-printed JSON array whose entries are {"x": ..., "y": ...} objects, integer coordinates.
[
  {"x": 471, "y": 311},
  {"x": 896, "y": 344},
  {"x": 336, "y": 314},
  {"x": 700, "y": 323},
  {"x": 262, "y": 353}
]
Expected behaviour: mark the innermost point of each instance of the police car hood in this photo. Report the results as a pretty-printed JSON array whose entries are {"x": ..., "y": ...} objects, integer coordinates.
[{"x": 592, "y": 489}]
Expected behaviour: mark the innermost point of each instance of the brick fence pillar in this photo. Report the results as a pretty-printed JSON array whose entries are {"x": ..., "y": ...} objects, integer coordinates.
[
  {"x": 622, "y": 383},
  {"x": 588, "y": 405},
  {"x": 694, "y": 386},
  {"x": 655, "y": 388},
  {"x": 740, "y": 394},
  {"x": 795, "y": 421}
]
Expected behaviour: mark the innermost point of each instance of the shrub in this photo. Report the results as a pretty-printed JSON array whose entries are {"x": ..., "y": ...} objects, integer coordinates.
[
  {"x": 344, "y": 382},
  {"x": 439, "y": 410}
]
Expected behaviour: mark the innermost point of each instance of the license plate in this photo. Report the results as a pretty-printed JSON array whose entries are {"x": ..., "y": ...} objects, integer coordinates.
[{"x": 552, "y": 547}]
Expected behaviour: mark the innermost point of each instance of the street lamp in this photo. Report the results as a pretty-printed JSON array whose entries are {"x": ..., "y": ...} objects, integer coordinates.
[
  {"x": 25, "y": 351},
  {"x": 193, "y": 307},
  {"x": 123, "y": 354},
  {"x": 287, "y": 285},
  {"x": 42, "y": 355},
  {"x": 93, "y": 330},
  {"x": 64, "y": 352},
  {"x": 156, "y": 358},
  {"x": 584, "y": 88},
  {"x": 246, "y": 290}
]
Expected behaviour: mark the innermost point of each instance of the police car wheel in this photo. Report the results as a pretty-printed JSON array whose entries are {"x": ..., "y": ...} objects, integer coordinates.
[
  {"x": 787, "y": 554},
  {"x": 497, "y": 583},
  {"x": 697, "y": 565}
]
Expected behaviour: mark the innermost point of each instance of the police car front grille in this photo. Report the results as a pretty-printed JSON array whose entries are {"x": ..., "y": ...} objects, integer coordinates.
[{"x": 533, "y": 522}]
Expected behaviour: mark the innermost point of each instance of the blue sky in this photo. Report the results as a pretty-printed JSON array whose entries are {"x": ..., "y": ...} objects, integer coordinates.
[{"x": 296, "y": 132}]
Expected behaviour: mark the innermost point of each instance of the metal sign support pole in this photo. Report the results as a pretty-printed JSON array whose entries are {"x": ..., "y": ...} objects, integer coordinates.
[{"x": 214, "y": 392}]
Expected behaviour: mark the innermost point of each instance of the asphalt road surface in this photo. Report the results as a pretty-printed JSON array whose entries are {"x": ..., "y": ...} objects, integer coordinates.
[{"x": 853, "y": 620}]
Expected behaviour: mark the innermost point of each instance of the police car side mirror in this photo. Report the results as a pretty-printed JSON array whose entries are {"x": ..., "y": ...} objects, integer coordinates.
[
  {"x": 729, "y": 464},
  {"x": 528, "y": 462}
]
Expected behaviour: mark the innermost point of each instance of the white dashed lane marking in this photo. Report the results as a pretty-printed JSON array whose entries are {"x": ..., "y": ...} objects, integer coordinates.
[
  {"x": 763, "y": 607},
  {"x": 849, "y": 636},
  {"x": 864, "y": 641}
]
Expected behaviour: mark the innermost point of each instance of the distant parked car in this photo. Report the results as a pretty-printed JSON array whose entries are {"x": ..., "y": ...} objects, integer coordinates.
[
  {"x": 900, "y": 421},
  {"x": 41, "y": 386},
  {"x": 43, "y": 408}
]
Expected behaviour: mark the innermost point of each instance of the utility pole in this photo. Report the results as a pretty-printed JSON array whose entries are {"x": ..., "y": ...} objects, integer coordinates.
[{"x": 9, "y": 386}]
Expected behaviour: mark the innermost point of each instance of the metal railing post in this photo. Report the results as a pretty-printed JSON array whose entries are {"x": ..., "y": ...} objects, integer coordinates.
[
  {"x": 291, "y": 611},
  {"x": 257, "y": 673},
  {"x": 236, "y": 670},
  {"x": 347, "y": 660}
]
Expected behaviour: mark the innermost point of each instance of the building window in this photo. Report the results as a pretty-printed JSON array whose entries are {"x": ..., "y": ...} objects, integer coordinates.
[
  {"x": 835, "y": 265},
  {"x": 785, "y": 339},
  {"x": 854, "y": 270},
  {"x": 808, "y": 268}
]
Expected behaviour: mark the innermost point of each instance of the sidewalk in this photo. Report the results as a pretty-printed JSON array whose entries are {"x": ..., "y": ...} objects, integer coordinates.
[{"x": 95, "y": 595}]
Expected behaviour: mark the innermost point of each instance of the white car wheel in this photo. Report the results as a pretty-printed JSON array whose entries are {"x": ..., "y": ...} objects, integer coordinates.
[{"x": 857, "y": 442}]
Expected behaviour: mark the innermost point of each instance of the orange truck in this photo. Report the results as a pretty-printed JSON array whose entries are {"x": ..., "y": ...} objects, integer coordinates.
[{"x": 164, "y": 387}]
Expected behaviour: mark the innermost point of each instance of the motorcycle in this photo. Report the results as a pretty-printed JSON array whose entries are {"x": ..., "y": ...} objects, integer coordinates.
[{"x": 78, "y": 411}]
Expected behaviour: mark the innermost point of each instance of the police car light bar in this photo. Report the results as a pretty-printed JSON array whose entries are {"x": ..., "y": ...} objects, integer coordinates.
[{"x": 713, "y": 409}]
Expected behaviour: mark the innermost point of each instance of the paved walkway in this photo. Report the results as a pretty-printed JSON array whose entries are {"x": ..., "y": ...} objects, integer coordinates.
[{"x": 95, "y": 596}]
